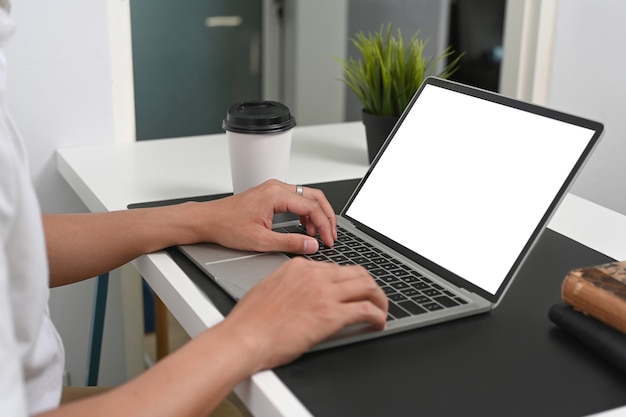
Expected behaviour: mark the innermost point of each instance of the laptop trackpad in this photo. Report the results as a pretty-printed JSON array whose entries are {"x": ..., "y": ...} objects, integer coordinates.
[{"x": 237, "y": 276}]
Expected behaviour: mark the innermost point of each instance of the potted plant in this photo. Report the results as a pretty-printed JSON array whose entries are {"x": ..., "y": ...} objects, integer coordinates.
[{"x": 387, "y": 76}]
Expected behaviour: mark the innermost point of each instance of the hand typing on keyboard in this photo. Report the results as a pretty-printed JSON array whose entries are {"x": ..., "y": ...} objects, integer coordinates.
[
  {"x": 303, "y": 303},
  {"x": 244, "y": 221},
  {"x": 409, "y": 292}
]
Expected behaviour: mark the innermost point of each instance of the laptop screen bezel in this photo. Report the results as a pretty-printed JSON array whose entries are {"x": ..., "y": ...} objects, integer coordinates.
[{"x": 438, "y": 270}]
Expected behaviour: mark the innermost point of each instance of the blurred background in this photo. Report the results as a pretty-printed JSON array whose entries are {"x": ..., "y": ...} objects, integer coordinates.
[{"x": 192, "y": 59}]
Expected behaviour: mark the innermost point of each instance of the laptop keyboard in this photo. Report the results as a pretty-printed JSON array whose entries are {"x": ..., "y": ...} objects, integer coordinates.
[{"x": 409, "y": 292}]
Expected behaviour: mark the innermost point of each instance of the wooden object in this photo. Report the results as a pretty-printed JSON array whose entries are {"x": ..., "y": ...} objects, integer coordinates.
[{"x": 599, "y": 291}]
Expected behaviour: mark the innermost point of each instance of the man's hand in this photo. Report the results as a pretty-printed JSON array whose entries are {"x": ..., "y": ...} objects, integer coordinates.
[
  {"x": 244, "y": 221},
  {"x": 301, "y": 304}
]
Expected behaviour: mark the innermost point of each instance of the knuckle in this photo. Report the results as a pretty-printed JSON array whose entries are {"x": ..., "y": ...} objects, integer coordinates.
[
  {"x": 272, "y": 185},
  {"x": 317, "y": 192},
  {"x": 368, "y": 309}
]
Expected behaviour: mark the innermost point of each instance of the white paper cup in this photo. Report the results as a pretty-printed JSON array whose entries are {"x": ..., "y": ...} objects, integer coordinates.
[
  {"x": 259, "y": 142},
  {"x": 257, "y": 158}
]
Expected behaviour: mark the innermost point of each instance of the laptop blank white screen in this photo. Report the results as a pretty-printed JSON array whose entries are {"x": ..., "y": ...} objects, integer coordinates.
[{"x": 467, "y": 192}]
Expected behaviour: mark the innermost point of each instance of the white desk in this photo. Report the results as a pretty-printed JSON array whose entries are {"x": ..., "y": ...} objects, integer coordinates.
[{"x": 110, "y": 177}]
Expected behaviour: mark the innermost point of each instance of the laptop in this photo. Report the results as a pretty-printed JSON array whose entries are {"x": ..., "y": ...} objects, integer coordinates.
[{"x": 448, "y": 210}]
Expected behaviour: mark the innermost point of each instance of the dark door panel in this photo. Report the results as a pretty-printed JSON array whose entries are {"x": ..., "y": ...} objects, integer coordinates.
[{"x": 192, "y": 59}]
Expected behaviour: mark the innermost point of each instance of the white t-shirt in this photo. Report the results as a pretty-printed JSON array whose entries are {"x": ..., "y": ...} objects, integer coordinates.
[{"x": 31, "y": 352}]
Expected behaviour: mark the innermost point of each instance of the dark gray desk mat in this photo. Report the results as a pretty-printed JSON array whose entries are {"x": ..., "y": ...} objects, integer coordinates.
[{"x": 512, "y": 361}]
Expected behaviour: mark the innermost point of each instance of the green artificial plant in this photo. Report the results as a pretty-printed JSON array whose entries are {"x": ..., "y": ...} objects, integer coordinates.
[{"x": 389, "y": 72}]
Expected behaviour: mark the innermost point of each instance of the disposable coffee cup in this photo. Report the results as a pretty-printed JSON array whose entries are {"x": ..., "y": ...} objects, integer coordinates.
[{"x": 259, "y": 142}]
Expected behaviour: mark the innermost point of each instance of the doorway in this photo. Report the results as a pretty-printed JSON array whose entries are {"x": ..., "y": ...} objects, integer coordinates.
[{"x": 191, "y": 60}]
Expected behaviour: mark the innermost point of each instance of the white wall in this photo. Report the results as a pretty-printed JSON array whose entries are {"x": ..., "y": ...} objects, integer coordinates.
[
  {"x": 587, "y": 78},
  {"x": 315, "y": 32},
  {"x": 60, "y": 93},
  {"x": 566, "y": 54},
  {"x": 59, "y": 86}
]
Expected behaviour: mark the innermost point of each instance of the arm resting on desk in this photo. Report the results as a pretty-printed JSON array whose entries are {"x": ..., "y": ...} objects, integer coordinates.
[
  {"x": 298, "y": 305},
  {"x": 89, "y": 244}
]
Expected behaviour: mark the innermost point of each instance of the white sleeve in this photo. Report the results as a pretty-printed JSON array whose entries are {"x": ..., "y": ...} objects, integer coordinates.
[
  {"x": 12, "y": 384},
  {"x": 12, "y": 388}
]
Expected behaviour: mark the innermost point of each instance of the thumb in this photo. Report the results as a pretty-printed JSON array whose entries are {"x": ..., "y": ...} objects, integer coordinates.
[{"x": 293, "y": 243}]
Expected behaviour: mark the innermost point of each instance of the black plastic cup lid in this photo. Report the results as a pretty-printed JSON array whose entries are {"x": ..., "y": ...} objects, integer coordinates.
[{"x": 258, "y": 117}]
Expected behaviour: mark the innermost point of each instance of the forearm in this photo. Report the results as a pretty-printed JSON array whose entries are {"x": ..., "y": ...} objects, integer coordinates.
[
  {"x": 81, "y": 246},
  {"x": 309, "y": 301},
  {"x": 189, "y": 382}
]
